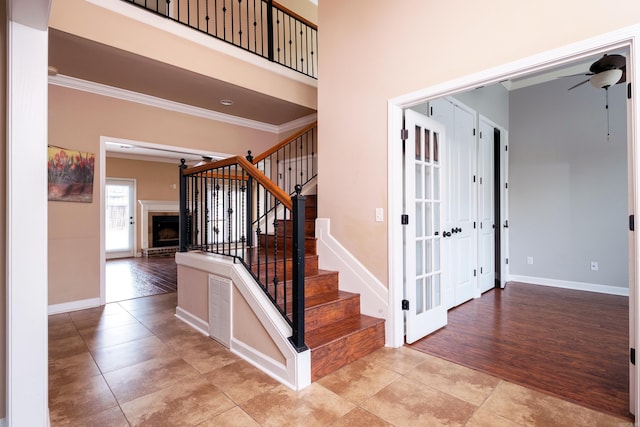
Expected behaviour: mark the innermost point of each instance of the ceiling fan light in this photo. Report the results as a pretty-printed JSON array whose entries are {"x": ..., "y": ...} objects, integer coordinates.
[{"x": 606, "y": 78}]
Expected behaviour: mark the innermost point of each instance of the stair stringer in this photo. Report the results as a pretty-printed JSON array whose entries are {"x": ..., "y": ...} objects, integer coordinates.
[
  {"x": 295, "y": 372},
  {"x": 354, "y": 277}
]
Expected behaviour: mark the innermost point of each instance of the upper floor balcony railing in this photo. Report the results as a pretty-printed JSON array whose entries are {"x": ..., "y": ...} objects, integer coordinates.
[{"x": 262, "y": 27}]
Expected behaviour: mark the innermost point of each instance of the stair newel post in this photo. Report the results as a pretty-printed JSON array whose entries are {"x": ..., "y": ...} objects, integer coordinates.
[
  {"x": 182, "y": 231},
  {"x": 249, "y": 204},
  {"x": 297, "y": 337}
]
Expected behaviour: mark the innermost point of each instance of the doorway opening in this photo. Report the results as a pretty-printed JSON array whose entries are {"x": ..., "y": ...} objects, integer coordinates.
[{"x": 570, "y": 54}]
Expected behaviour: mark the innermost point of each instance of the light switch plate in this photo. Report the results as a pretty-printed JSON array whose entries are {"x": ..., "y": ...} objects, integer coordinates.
[{"x": 379, "y": 215}]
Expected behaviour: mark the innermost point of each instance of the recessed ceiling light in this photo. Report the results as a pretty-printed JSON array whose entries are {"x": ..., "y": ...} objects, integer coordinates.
[{"x": 226, "y": 102}]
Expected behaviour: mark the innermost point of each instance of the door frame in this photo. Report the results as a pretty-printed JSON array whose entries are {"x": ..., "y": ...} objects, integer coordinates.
[
  {"x": 133, "y": 212},
  {"x": 624, "y": 38},
  {"x": 102, "y": 176}
]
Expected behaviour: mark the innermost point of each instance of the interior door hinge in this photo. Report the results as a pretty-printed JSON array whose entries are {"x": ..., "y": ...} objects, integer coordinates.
[
  {"x": 506, "y": 261},
  {"x": 431, "y": 111},
  {"x": 405, "y": 304},
  {"x": 506, "y": 223},
  {"x": 632, "y": 224},
  {"x": 632, "y": 356},
  {"x": 506, "y": 148},
  {"x": 474, "y": 131},
  {"x": 480, "y": 270},
  {"x": 404, "y": 219},
  {"x": 480, "y": 225},
  {"x": 474, "y": 178},
  {"x": 481, "y": 180},
  {"x": 629, "y": 90},
  {"x": 506, "y": 185},
  {"x": 474, "y": 225},
  {"x": 474, "y": 272},
  {"x": 404, "y": 134}
]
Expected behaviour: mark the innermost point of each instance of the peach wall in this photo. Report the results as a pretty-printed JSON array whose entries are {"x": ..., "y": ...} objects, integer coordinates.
[
  {"x": 96, "y": 23},
  {"x": 77, "y": 120},
  {"x": 154, "y": 181},
  {"x": 195, "y": 300},
  {"x": 248, "y": 329},
  {"x": 3, "y": 217},
  {"x": 423, "y": 44}
]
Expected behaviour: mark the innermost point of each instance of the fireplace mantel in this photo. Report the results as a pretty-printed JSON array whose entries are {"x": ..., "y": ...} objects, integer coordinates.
[{"x": 149, "y": 206}]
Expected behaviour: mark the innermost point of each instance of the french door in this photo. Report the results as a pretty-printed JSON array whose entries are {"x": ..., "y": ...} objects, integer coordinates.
[
  {"x": 119, "y": 218},
  {"x": 423, "y": 282}
]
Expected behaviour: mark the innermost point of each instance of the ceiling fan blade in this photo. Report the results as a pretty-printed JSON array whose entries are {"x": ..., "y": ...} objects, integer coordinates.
[
  {"x": 624, "y": 75},
  {"x": 579, "y": 74},
  {"x": 608, "y": 62},
  {"x": 579, "y": 84}
]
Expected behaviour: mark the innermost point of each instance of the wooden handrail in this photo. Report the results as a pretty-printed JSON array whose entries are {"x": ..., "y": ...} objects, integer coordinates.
[
  {"x": 295, "y": 15},
  {"x": 276, "y": 147},
  {"x": 261, "y": 178}
]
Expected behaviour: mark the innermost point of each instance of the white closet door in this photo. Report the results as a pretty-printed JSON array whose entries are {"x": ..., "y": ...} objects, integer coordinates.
[{"x": 486, "y": 208}]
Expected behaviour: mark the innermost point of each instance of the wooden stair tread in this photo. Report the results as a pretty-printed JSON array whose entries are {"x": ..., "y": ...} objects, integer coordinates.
[
  {"x": 338, "y": 330},
  {"x": 319, "y": 300}
]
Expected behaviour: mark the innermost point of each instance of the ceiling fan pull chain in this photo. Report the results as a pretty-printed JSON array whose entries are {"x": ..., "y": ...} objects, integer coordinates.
[{"x": 606, "y": 90}]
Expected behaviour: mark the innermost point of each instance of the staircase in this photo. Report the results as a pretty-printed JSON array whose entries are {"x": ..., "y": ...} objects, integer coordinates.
[{"x": 336, "y": 332}]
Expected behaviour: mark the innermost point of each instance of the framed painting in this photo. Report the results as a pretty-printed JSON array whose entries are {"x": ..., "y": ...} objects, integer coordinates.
[{"x": 70, "y": 175}]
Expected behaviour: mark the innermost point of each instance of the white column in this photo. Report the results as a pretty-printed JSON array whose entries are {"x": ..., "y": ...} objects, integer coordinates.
[{"x": 26, "y": 244}]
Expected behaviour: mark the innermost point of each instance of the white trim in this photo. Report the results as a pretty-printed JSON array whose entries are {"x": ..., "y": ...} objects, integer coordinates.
[
  {"x": 395, "y": 318},
  {"x": 195, "y": 322},
  {"x": 26, "y": 235},
  {"x": 165, "y": 104},
  {"x": 153, "y": 206},
  {"x": 103, "y": 250},
  {"x": 66, "y": 307},
  {"x": 354, "y": 277},
  {"x": 567, "y": 284},
  {"x": 625, "y": 37},
  {"x": 205, "y": 40}
]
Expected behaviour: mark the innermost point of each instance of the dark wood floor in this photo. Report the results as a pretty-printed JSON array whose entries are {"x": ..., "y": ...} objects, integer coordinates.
[
  {"x": 570, "y": 344},
  {"x": 128, "y": 278}
]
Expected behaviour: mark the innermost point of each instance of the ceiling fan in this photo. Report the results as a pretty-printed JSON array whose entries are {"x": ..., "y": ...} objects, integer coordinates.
[{"x": 606, "y": 72}]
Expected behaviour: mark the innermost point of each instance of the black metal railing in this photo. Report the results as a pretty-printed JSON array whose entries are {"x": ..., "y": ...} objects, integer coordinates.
[
  {"x": 293, "y": 161},
  {"x": 262, "y": 27},
  {"x": 231, "y": 208}
]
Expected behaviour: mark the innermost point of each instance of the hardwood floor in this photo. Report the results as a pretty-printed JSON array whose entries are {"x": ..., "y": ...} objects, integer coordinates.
[
  {"x": 128, "y": 278},
  {"x": 567, "y": 343}
]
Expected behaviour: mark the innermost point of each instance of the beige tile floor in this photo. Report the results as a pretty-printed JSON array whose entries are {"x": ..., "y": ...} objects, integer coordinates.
[{"x": 133, "y": 363}]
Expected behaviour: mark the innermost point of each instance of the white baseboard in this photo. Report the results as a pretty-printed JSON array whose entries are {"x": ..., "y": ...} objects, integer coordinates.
[
  {"x": 66, "y": 307},
  {"x": 354, "y": 277},
  {"x": 266, "y": 364},
  {"x": 566, "y": 284},
  {"x": 193, "y": 321}
]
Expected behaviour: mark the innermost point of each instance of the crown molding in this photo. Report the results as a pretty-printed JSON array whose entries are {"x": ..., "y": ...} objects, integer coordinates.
[{"x": 127, "y": 95}]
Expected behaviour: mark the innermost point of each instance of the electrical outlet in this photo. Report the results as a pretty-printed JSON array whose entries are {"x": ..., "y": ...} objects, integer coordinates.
[
  {"x": 594, "y": 265},
  {"x": 530, "y": 260},
  {"x": 379, "y": 215}
]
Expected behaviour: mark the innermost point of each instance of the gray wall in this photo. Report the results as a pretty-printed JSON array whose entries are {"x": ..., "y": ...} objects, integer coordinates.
[
  {"x": 568, "y": 185},
  {"x": 490, "y": 101}
]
